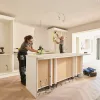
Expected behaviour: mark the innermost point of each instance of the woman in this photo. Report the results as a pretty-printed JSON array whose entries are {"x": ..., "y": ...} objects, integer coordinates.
[
  {"x": 26, "y": 45},
  {"x": 61, "y": 43}
]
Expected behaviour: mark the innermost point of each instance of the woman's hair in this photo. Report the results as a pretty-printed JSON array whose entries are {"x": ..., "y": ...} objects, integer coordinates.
[{"x": 27, "y": 38}]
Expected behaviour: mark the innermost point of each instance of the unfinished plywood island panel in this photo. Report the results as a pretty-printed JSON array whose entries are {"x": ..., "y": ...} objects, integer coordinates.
[
  {"x": 79, "y": 64},
  {"x": 52, "y": 72},
  {"x": 69, "y": 67},
  {"x": 49, "y": 69},
  {"x": 61, "y": 69},
  {"x": 43, "y": 73},
  {"x": 64, "y": 68}
]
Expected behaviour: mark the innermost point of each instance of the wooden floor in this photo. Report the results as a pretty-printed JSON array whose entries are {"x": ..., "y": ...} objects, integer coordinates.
[{"x": 11, "y": 89}]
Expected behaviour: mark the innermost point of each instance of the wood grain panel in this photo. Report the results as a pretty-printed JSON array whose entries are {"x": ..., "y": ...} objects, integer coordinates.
[
  {"x": 53, "y": 72},
  {"x": 64, "y": 68},
  {"x": 43, "y": 73},
  {"x": 69, "y": 67},
  {"x": 61, "y": 69},
  {"x": 79, "y": 64}
]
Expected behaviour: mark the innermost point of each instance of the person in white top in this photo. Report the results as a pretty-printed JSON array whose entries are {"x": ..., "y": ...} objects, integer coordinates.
[{"x": 61, "y": 43}]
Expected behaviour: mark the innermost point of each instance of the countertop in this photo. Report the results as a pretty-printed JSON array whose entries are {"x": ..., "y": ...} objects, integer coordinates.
[{"x": 55, "y": 55}]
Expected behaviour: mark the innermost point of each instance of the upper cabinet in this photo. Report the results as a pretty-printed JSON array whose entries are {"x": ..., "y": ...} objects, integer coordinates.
[
  {"x": 52, "y": 35},
  {"x": 20, "y": 31},
  {"x": 6, "y": 33},
  {"x": 6, "y": 44}
]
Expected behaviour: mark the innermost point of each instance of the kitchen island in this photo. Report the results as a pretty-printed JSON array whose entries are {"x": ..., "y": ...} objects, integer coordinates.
[{"x": 49, "y": 69}]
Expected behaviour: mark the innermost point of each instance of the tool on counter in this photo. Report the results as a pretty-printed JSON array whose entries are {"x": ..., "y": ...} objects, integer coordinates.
[
  {"x": 2, "y": 50},
  {"x": 40, "y": 50}
]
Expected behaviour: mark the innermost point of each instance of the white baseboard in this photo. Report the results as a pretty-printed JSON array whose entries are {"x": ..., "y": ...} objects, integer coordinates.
[{"x": 4, "y": 75}]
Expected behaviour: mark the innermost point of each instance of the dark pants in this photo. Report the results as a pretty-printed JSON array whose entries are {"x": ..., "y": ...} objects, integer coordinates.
[
  {"x": 22, "y": 67},
  {"x": 61, "y": 48}
]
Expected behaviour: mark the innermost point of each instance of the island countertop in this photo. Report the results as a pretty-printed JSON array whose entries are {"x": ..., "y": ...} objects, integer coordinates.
[
  {"x": 48, "y": 69},
  {"x": 55, "y": 55}
]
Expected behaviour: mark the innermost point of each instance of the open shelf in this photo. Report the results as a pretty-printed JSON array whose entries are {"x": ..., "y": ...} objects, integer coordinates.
[
  {"x": 6, "y": 41},
  {"x": 5, "y": 63}
]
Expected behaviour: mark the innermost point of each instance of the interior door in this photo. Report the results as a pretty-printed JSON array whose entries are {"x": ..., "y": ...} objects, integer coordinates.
[{"x": 98, "y": 49}]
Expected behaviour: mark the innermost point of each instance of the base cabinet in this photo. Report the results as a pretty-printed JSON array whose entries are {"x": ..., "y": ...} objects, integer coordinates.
[
  {"x": 5, "y": 65},
  {"x": 16, "y": 63},
  {"x": 64, "y": 68},
  {"x": 61, "y": 69},
  {"x": 47, "y": 72},
  {"x": 79, "y": 64},
  {"x": 43, "y": 73},
  {"x": 69, "y": 67}
]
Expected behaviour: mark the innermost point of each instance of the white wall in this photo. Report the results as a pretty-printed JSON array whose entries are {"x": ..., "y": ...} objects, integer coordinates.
[
  {"x": 5, "y": 39},
  {"x": 89, "y": 60},
  {"x": 40, "y": 35},
  {"x": 81, "y": 28},
  {"x": 5, "y": 36},
  {"x": 2, "y": 34},
  {"x": 20, "y": 31},
  {"x": 44, "y": 38},
  {"x": 69, "y": 42},
  {"x": 40, "y": 38}
]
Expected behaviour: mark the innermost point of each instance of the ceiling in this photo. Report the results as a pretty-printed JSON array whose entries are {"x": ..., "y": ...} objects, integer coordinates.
[{"x": 60, "y": 13}]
